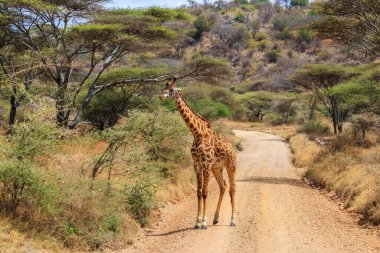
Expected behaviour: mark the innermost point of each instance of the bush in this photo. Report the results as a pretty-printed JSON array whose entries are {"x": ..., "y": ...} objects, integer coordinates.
[
  {"x": 201, "y": 24},
  {"x": 299, "y": 3},
  {"x": 280, "y": 22},
  {"x": 361, "y": 124},
  {"x": 264, "y": 44},
  {"x": 284, "y": 34},
  {"x": 240, "y": 17},
  {"x": 141, "y": 197},
  {"x": 314, "y": 127},
  {"x": 304, "y": 35},
  {"x": 261, "y": 36},
  {"x": 17, "y": 181},
  {"x": 160, "y": 133},
  {"x": 241, "y": 1},
  {"x": 32, "y": 138},
  {"x": 211, "y": 110},
  {"x": 272, "y": 56},
  {"x": 106, "y": 108}
]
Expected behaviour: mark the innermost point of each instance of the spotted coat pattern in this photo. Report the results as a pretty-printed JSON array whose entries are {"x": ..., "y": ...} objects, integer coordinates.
[{"x": 210, "y": 153}]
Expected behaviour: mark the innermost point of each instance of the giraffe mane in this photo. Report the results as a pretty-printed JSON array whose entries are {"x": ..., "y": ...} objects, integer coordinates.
[{"x": 197, "y": 114}]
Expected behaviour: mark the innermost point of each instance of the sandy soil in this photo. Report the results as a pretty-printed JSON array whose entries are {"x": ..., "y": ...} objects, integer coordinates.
[{"x": 277, "y": 212}]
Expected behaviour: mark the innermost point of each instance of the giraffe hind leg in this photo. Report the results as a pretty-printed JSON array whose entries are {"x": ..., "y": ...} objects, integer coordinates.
[
  {"x": 218, "y": 174},
  {"x": 231, "y": 169}
]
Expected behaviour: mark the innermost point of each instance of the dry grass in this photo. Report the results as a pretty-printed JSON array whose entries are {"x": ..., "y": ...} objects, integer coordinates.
[
  {"x": 354, "y": 174},
  {"x": 14, "y": 241},
  {"x": 304, "y": 151}
]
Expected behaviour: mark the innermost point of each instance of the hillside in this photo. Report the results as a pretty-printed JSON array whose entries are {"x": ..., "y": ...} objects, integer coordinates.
[{"x": 90, "y": 154}]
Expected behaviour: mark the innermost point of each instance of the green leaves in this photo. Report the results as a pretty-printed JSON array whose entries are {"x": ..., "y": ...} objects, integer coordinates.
[
  {"x": 209, "y": 69},
  {"x": 352, "y": 22},
  {"x": 316, "y": 76},
  {"x": 124, "y": 73}
]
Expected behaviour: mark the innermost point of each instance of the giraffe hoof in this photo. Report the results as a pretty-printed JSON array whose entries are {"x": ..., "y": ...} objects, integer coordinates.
[
  {"x": 197, "y": 227},
  {"x": 204, "y": 226},
  {"x": 215, "y": 222},
  {"x": 232, "y": 224}
]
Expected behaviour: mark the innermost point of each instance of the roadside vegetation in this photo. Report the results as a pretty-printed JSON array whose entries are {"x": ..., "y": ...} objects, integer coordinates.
[{"x": 88, "y": 153}]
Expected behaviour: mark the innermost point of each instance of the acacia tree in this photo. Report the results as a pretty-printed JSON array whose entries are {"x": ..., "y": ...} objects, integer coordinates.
[
  {"x": 75, "y": 41},
  {"x": 230, "y": 36},
  {"x": 355, "y": 22},
  {"x": 362, "y": 98},
  {"x": 205, "y": 69},
  {"x": 320, "y": 79}
]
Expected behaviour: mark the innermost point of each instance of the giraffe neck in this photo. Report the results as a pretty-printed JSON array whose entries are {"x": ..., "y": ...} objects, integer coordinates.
[{"x": 195, "y": 122}]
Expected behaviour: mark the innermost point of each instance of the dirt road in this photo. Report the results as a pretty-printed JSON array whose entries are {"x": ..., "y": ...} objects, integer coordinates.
[{"x": 277, "y": 212}]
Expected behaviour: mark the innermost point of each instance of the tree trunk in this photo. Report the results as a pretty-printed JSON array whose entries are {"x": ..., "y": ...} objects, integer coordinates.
[
  {"x": 14, "y": 103},
  {"x": 60, "y": 104},
  {"x": 340, "y": 127},
  {"x": 13, "y": 110},
  {"x": 312, "y": 105},
  {"x": 86, "y": 102},
  {"x": 334, "y": 114}
]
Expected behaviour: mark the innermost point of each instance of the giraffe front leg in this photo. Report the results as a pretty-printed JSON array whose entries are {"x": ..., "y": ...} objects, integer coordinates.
[
  {"x": 198, "y": 172},
  {"x": 198, "y": 223},
  {"x": 206, "y": 177}
]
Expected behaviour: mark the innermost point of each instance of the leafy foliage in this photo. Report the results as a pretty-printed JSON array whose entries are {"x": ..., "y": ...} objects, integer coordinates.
[
  {"x": 201, "y": 24},
  {"x": 350, "y": 21}
]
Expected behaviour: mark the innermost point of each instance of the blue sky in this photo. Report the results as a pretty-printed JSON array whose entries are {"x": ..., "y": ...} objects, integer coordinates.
[{"x": 146, "y": 3}]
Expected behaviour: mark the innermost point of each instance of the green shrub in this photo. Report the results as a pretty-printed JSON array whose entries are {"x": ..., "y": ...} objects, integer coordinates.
[
  {"x": 261, "y": 36},
  {"x": 210, "y": 109},
  {"x": 32, "y": 138},
  {"x": 141, "y": 198},
  {"x": 284, "y": 34},
  {"x": 304, "y": 35},
  {"x": 20, "y": 183},
  {"x": 240, "y": 17},
  {"x": 241, "y": 1},
  {"x": 314, "y": 127},
  {"x": 299, "y": 3},
  {"x": 106, "y": 107},
  {"x": 264, "y": 45},
  {"x": 201, "y": 24},
  {"x": 111, "y": 223}
]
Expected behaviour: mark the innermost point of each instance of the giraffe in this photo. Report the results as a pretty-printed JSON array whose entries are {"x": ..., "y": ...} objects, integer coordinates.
[{"x": 210, "y": 153}]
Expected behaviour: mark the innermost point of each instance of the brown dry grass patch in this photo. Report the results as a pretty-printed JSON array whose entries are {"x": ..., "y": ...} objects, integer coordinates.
[
  {"x": 304, "y": 151},
  {"x": 354, "y": 174}
]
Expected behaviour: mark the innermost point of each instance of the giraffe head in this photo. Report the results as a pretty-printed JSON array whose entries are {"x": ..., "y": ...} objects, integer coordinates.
[{"x": 169, "y": 90}]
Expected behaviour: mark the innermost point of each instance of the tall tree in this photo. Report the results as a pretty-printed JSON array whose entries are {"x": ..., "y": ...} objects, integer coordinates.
[
  {"x": 76, "y": 40},
  {"x": 230, "y": 36},
  {"x": 355, "y": 22},
  {"x": 320, "y": 79}
]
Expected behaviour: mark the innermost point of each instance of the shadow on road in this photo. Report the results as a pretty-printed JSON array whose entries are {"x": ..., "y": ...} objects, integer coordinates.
[
  {"x": 171, "y": 232},
  {"x": 279, "y": 140},
  {"x": 273, "y": 180}
]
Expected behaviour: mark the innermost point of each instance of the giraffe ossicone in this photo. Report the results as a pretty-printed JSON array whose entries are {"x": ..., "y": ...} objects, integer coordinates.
[{"x": 210, "y": 153}]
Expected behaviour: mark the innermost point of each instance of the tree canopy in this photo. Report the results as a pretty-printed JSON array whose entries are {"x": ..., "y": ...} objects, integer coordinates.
[{"x": 350, "y": 21}]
